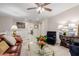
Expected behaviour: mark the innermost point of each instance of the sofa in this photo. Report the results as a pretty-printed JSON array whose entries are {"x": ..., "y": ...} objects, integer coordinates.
[
  {"x": 74, "y": 49},
  {"x": 13, "y": 50}
]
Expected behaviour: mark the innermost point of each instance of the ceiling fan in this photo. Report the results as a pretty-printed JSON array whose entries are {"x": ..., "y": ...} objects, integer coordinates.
[{"x": 41, "y": 7}]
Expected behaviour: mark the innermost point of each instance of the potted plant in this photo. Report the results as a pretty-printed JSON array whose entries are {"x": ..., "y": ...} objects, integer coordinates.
[
  {"x": 41, "y": 41},
  {"x": 64, "y": 33}
]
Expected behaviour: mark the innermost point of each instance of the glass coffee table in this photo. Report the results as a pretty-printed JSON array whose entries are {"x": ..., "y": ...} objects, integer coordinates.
[{"x": 46, "y": 51}]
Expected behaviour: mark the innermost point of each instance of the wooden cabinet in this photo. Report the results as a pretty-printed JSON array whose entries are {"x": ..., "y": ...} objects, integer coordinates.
[{"x": 67, "y": 40}]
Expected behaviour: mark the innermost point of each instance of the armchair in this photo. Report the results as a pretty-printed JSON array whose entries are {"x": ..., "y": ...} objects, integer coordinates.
[
  {"x": 74, "y": 49},
  {"x": 14, "y": 50}
]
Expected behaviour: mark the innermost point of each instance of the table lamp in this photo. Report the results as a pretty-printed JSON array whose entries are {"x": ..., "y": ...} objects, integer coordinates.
[{"x": 14, "y": 29}]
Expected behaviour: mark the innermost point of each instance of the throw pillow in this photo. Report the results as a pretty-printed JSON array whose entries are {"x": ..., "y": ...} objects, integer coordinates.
[
  {"x": 3, "y": 47},
  {"x": 11, "y": 40}
]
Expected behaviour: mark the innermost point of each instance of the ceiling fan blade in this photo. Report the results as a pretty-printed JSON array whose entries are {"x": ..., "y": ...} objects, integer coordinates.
[
  {"x": 31, "y": 8},
  {"x": 45, "y": 4},
  {"x": 38, "y": 4},
  {"x": 48, "y": 9}
]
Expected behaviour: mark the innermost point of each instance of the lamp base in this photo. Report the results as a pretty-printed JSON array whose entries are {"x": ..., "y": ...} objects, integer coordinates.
[{"x": 14, "y": 33}]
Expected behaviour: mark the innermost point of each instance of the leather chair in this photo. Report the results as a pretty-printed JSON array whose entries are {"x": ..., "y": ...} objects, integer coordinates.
[
  {"x": 14, "y": 50},
  {"x": 74, "y": 49}
]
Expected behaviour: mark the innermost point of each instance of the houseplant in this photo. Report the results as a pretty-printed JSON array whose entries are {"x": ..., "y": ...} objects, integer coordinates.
[{"x": 41, "y": 41}]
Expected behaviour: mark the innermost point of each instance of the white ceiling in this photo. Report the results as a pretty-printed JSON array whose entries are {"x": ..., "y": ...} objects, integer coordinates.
[{"x": 20, "y": 10}]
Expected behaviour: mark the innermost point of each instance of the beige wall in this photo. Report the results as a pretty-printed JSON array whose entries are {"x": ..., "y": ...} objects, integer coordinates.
[
  {"x": 43, "y": 27},
  {"x": 49, "y": 24},
  {"x": 53, "y": 22},
  {"x": 68, "y": 15},
  {"x": 5, "y": 23}
]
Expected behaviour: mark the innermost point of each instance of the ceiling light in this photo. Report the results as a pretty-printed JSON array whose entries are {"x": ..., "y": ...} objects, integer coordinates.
[{"x": 40, "y": 9}]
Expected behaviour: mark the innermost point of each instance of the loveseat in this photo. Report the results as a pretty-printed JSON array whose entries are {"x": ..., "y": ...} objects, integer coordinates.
[{"x": 13, "y": 50}]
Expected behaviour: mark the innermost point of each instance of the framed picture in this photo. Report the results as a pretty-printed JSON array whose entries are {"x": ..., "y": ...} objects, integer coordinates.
[{"x": 20, "y": 25}]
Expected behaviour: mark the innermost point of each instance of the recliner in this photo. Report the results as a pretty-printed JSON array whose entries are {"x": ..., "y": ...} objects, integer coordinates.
[
  {"x": 74, "y": 49},
  {"x": 51, "y": 37}
]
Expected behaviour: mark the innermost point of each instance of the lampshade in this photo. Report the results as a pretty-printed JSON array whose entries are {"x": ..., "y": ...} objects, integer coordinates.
[{"x": 14, "y": 28}]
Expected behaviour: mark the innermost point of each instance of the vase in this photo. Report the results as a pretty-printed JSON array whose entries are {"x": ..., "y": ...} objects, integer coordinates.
[{"x": 41, "y": 52}]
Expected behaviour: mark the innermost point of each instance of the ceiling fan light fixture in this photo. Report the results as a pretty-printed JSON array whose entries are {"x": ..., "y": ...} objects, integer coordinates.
[
  {"x": 43, "y": 9},
  {"x": 40, "y": 9}
]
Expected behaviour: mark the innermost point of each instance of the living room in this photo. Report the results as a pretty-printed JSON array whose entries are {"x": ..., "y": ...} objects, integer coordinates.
[{"x": 39, "y": 29}]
